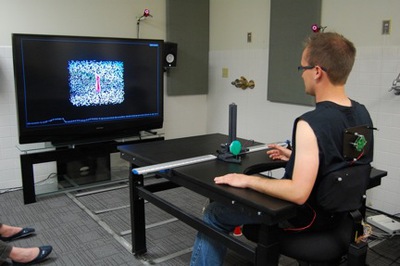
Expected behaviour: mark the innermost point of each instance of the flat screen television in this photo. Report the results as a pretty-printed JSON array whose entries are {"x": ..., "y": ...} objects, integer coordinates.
[{"x": 72, "y": 89}]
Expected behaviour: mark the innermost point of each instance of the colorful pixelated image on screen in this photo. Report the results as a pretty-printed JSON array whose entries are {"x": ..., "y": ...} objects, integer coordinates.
[{"x": 94, "y": 83}]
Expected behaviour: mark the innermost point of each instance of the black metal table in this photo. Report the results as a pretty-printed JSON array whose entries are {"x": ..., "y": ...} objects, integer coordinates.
[{"x": 199, "y": 178}]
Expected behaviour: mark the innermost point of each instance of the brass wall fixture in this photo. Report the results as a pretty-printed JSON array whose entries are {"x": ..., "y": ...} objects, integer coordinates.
[{"x": 243, "y": 83}]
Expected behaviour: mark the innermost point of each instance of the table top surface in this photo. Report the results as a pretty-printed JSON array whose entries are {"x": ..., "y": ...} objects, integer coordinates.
[
  {"x": 176, "y": 149},
  {"x": 199, "y": 177}
]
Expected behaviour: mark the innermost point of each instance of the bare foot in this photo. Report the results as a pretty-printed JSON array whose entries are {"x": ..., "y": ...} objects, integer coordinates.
[
  {"x": 24, "y": 255},
  {"x": 7, "y": 230}
]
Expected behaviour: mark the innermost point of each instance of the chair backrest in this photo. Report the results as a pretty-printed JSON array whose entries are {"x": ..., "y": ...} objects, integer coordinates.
[{"x": 343, "y": 190}]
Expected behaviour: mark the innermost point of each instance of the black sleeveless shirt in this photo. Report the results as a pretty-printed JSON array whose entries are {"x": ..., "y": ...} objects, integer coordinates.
[{"x": 329, "y": 122}]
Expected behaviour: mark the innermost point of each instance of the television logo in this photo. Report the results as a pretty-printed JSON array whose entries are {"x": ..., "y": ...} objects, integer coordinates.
[{"x": 94, "y": 83}]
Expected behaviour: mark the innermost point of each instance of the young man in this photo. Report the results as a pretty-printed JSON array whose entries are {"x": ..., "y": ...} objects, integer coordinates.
[{"x": 326, "y": 63}]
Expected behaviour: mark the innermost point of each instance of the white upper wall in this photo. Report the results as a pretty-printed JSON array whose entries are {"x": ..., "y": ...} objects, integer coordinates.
[
  {"x": 75, "y": 17},
  {"x": 230, "y": 21},
  {"x": 361, "y": 20}
]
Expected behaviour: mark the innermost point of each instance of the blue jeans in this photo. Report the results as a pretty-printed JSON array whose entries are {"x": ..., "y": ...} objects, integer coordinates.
[{"x": 206, "y": 250}]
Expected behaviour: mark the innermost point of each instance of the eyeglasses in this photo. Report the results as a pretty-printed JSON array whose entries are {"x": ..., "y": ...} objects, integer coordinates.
[{"x": 299, "y": 68}]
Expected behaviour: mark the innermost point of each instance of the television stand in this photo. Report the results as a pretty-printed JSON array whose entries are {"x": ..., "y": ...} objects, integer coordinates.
[{"x": 72, "y": 162}]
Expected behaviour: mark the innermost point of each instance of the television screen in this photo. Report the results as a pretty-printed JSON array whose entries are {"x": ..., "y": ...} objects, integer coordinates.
[{"x": 74, "y": 88}]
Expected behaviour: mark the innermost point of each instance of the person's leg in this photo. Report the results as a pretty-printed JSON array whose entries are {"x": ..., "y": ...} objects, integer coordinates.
[
  {"x": 8, "y": 230},
  {"x": 207, "y": 251},
  {"x": 5, "y": 250},
  {"x": 9, "y": 233},
  {"x": 24, "y": 255}
]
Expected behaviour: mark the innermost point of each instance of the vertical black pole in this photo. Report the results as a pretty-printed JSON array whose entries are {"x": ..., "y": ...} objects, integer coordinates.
[{"x": 232, "y": 122}]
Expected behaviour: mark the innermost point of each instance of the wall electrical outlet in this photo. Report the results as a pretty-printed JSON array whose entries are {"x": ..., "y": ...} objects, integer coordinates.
[
  {"x": 386, "y": 27},
  {"x": 249, "y": 37}
]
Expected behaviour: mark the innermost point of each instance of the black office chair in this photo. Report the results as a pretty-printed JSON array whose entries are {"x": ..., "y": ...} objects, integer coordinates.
[
  {"x": 323, "y": 248},
  {"x": 342, "y": 191},
  {"x": 331, "y": 247}
]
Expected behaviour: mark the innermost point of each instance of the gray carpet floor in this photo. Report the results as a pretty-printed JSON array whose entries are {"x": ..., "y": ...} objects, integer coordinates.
[{"x": 94, "y": 229}]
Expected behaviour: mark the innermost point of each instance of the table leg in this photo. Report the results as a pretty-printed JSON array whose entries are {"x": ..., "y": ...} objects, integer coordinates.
[
  {"x": 137, "y": 215},
  {"x": 28, "y": 183},
  {"x": 267, "y": 251}
]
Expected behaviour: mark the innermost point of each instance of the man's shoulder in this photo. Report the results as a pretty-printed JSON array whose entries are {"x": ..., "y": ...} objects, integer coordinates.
[{"x": 321, "y": 110}]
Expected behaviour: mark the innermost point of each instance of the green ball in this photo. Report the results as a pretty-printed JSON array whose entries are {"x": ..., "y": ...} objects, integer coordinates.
[{"x": 235, "y": 147}]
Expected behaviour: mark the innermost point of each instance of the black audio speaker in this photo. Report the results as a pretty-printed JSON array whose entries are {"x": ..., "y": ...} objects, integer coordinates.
[{"x": 170, "y": 54}]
